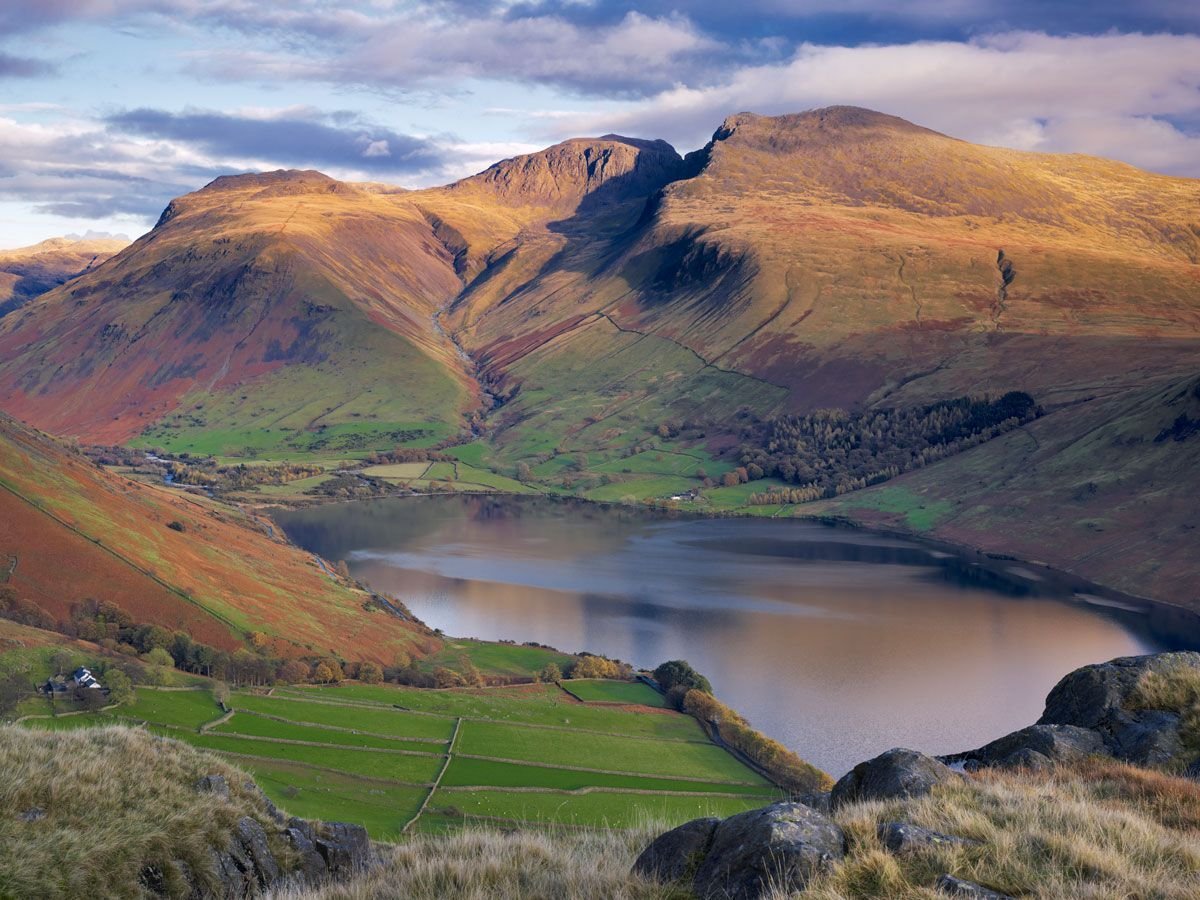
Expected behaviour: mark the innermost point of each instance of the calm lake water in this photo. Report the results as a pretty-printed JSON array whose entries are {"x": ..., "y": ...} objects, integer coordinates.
[{"x": 841, "y": 644}]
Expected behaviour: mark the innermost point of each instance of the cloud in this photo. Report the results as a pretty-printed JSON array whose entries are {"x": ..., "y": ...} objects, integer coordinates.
[
  {"x": 23, "y": 67},
  {"x": 631, "y": 57},
  {"x": 308, "y": 141},
  {"x": 1117, "y": 95}
]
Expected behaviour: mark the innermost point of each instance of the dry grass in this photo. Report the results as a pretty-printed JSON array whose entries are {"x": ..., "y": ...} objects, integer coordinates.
[
  {"x": 1103, "y": 830},
  {"x": 115, "y": 801},
  {"x": 1175, "y": 688},
  {"x": 480, "y": 864}
]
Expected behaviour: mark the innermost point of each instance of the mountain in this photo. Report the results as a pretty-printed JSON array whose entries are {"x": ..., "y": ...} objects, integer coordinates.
[
  {"x": 171, "y": 559},
  {"x": 28, "y": 272},
  {"x": 567, "y": 306}
]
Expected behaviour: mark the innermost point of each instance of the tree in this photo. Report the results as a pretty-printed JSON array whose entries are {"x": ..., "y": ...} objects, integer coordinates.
[
  {"x": 446, "y": 678},
  {"x": 157, "y": 656},
  {"x": 550, "y": 673},
  {"x": 323, "y": 674},
  {"x": 258, "y": 640},
  {"x": 294, "y": 672},
  {"x": 13, "y": 688},
  {"x": 370, "y": 672},
  {"x": 679, "y": 673},
  {"x": 63, "y": 661},
  {"x": 221, "y": 694},
  {"x": 120, "y": 688},
  {"x": 524, "y": 473}
]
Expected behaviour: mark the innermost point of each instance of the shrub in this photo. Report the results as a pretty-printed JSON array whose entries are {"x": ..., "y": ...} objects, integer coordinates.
[
  {"x": 679, "y": 673},
  {"x": 550, "y": 673}
]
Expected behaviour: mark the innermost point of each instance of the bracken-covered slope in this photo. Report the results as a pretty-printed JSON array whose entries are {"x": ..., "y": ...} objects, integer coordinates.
[
  {"x": 28, "y": 272},
  {"x": 70, "y": 531}
]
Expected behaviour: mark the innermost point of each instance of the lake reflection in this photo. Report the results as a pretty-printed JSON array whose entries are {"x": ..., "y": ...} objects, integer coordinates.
[{"x": 838, "y": 643}]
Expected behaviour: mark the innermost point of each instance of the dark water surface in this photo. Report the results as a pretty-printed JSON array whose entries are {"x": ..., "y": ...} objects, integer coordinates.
[{"x": 839, "y": 643}]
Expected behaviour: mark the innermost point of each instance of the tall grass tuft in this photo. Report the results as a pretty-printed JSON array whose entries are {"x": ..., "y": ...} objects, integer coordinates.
[{"x": 84, "y": 813}]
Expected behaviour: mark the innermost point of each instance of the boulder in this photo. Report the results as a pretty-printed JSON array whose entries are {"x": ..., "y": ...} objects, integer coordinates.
[
  {"x": 1101, "y": 697},
  {"x": 894, "y": 774},
  {"x": 254, "y": 841},
  {"x": 957, "y": 887},
  {"x": 818, "y": 800},
  {"x": 676, "y": 854},
  {"x": 1036, "y": 746},
  {"x": 345, "y": 848},
  {"x": 310, "y": 865},
  {"x": 778, "y": 847},
  {"x": 901, "y": 837}
]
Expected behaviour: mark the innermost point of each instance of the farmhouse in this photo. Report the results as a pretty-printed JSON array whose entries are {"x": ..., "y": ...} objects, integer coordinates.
[{"x": 80, "y": 678}]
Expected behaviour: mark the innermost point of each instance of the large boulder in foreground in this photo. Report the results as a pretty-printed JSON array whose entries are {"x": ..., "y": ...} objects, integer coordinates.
[
  {"x": 1105, "y": 698},
  {"x": 744, "y": 857},
  {"x": 898, "y": 773}
]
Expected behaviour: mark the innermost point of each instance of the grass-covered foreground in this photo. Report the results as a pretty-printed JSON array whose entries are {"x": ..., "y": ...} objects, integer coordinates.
[
  {"x": 1103, "y": 830},
  {"x": 409, "y": 760}
]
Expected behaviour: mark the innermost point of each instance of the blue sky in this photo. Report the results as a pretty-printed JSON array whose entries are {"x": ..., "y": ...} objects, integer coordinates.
[{"x": 108, "y": 108}]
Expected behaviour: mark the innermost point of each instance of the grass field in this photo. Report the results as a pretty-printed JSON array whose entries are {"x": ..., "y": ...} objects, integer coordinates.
[
  {"x": 599, "y": 690},
  {"x": 496, "y": 658},
  {"x": 371, "y": 753}
]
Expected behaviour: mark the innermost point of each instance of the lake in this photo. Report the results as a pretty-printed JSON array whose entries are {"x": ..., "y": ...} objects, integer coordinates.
[{"x": 837, "y": 642}]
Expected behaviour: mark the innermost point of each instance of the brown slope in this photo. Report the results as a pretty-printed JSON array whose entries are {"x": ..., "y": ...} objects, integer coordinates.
[
  {"x": 70, "y": 531},
  {"x": 28, "y": 272},
  {"x": 239, "y": 283}
]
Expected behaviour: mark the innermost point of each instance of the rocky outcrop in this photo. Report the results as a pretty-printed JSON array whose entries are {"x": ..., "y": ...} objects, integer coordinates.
[
  {"x": 777, "y": 848},
  {"x": 1103, "y": 698},
  {"x": 1036, "y": 747},
  {"x": 895, "y": 774},
  {"x": 259, "y": 858}
]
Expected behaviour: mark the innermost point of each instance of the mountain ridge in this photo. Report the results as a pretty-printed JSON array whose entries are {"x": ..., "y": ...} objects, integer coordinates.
[{"x": 573, "y": 300}]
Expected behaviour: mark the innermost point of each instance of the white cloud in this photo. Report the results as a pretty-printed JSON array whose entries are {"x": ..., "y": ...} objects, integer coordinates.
[{"x": 1108, "y": 95}]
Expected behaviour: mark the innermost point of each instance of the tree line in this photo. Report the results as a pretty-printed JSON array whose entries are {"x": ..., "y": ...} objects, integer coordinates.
[{"x": 829, "y": 452}]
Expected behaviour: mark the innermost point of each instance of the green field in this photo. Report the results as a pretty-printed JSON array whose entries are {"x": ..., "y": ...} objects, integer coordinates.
[
  {"x": 615, "y": 753},
  {"x": 377, "y": 720},
  {"x": 497, "y": 658},
  {"x": 370, "y": 753},
  {"x": 607, "y": 810},
  {"x": 599, "y": 690}
]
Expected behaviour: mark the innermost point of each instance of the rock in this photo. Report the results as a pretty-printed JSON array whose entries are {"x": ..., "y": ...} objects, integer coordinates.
[
  {"x": 957, "y": 887},
  {"x": 777, "y": 847},
  {"x": 1036, "y": 746},
  {"x": 1148, "y": 737},
  {"x": 677, "y": 854},
  {"x": 1100, "y": 697},
  {"x": 33, "y": 814},
  {"x": 1026, "y": 759},
  {"x": 254, "y": 840},
  {"x": 901, "y": 837},
  {"x": 213, "y": 784},
  {"x": 818, "y": 800},
  {"x": 345, "y": 848},
  {"x": 896, "y": 773},
  {"x": 1193, "y": 769},
  {"x": 311, "y": 864}
]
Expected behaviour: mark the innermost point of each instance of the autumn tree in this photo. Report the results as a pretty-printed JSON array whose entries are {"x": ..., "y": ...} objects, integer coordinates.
[{"x": 370, "y": 672}]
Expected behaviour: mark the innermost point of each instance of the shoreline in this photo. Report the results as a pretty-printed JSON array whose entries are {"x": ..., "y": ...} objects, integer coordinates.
[{"x": 1172, "y": 620}]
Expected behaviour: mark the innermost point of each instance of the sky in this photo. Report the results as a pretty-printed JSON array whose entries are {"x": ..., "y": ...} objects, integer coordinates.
[{"x": 109, "y": 108}]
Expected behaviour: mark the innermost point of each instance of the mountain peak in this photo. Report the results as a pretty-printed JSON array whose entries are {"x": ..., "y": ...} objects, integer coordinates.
[
  {"x": 817, "y": 125},
  {"x": 611, "y": 168}
]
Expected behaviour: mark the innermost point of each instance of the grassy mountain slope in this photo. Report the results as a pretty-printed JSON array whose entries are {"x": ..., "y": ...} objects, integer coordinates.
[{"x": 70, "y": 531}]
